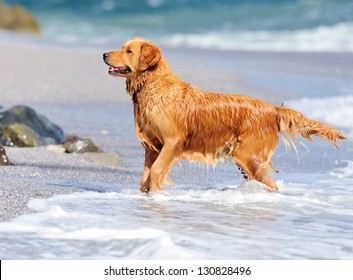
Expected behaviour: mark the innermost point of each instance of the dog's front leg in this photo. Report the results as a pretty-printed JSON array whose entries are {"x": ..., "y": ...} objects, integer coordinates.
[
  {"x": 167, "y": 157},
  {"x": 150, "y": 158}
]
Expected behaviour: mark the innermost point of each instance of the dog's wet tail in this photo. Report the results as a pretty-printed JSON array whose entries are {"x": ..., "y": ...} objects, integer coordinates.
[{"x": 294, "y": 123}]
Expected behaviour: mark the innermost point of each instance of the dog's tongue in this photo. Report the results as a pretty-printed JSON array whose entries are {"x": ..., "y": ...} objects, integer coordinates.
[{"x": 111, "y": 68}]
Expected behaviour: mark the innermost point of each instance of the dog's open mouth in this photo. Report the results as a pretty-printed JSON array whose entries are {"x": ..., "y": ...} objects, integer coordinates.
[{"x": 116, "y": 71}]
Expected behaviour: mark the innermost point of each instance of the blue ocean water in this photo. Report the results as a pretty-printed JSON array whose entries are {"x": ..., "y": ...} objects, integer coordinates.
[{"x": 302, "y": 25}]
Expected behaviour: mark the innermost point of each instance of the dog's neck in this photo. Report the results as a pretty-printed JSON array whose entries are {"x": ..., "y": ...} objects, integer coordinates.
[
  {"x": 135, "y": 84},
  {"x": 138, "y": 81}
]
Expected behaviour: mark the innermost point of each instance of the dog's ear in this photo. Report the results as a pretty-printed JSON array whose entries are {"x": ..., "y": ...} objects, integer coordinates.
[{"x": 149, "y": 56}]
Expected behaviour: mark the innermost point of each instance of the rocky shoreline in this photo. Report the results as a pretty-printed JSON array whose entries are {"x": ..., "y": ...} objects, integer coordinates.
[{"x": 22, "y": 126}]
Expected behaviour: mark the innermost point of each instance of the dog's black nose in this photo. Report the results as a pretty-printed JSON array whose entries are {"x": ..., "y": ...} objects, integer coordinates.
[{"x": 105, "y": 55}]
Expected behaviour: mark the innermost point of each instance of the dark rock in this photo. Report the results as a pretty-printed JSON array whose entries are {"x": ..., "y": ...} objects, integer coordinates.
[
  {"x": 74, "y": 144},
  {"x": 21, "y": 126},
  {"x": 17, "y": 18},
  {"x": 4, "y": 160}
]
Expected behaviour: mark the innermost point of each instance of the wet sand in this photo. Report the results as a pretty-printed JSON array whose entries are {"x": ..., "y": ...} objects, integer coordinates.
[{"x": 71, "y": 87}]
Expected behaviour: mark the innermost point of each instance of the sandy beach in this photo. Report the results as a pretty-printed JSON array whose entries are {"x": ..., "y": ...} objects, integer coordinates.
[{"x": 71, "y": 87}]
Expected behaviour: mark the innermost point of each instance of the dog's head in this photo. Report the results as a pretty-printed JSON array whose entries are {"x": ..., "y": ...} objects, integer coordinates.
[{"x": 136, "y": 56}]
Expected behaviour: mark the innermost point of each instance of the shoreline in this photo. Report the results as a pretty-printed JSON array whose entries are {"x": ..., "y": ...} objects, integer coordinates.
[{"x": 71, "y": 87}]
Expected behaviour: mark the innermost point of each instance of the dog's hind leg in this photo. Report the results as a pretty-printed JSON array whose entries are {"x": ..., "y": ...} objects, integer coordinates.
[
  {"x": 255, "y": 171},
  {"x": 262, "y": 175},
  {"x": 254, "y": 158}
]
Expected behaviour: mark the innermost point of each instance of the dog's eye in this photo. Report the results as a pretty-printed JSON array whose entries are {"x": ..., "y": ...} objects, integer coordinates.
[{"x": 129, "y": 51}]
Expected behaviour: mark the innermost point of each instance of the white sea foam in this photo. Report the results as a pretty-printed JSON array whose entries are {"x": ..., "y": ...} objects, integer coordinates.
[
  {"x": 344, "y": 172},
  {"x": 107, "y": 235},
  {"x": 334, "y": 38},
  {"x": 323, "y": 38},
  {"x": 242, "y": 222}
]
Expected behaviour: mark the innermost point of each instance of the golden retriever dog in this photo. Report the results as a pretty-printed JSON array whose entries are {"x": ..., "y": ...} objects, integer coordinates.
[{"x": 177, "y": 121}]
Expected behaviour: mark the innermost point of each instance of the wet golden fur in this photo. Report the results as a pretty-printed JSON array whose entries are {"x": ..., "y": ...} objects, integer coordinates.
[{"x": 177, "y": 121}]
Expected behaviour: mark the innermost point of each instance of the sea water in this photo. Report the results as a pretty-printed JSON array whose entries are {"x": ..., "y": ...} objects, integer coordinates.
[{"x": 300, "y": 25}]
